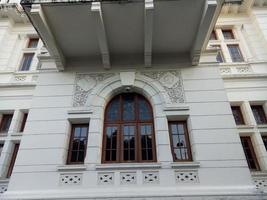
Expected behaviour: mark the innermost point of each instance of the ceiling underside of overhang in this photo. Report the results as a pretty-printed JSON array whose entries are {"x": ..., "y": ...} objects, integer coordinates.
[{"x": 174, "y": 30}]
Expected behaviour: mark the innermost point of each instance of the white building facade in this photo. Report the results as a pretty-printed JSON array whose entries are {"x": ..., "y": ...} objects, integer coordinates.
[{"x": 133, "y": 99}]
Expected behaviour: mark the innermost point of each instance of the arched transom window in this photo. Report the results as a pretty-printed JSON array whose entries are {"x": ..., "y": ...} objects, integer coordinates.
[{"x": 128, "y": 130}]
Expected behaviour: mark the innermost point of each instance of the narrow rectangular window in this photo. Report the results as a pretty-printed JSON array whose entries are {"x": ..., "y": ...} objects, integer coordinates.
[
  {"x": 213, "y": 35},
  {"x": 24, "y": 119},
  {"x": 180, "y": 141},
  {"x": 249, "y": 153},
  {"x": 264, "y": 139},
  {"x": 259, "y": 114},
  {"x": 228, "y": 34},
  {"x": 26, "y": 61},
  {"x": 237, "y": 115},
  {"x": 13, "y": 160},
  {"x": 5, "y": 123},
  {"x": 78, "y": 144},
  {"x": 235, "y": 53},
  {"x": 33, "y": 42},
  {"x": 1, "y": 148}
]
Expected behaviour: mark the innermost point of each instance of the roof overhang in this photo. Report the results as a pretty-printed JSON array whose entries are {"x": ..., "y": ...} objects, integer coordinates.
[{"x": 125, "y": 32}]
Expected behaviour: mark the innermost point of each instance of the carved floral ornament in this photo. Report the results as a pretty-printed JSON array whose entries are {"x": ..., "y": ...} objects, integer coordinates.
[{"x": 171, "y": 81}]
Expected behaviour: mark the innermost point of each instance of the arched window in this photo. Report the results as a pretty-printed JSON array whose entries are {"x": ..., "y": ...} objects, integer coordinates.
[{"x": 128, "y": 130}]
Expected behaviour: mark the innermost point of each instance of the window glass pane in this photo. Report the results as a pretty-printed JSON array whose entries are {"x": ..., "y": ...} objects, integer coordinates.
[
  {"x": 26, "y": 61},
  {"x": 264, "y": 139},
  {"x": 5, "y": 123},
  {"x": 144, "y": 110},
  {"x": 129, "y": 143},
  {"x": 237, "y": 115},
  {"x": 25, "y": 116},
  {"x": 146, "y": 142},
  {"x": 235, "y": 53},
  {"x": 228, "y": 34},
  {"x": 259, "y": 114},
  {"x": 111, "y": 143},
  {"x": 33, "y": 42},
  {"x": 249, "y": 153},
  {"x": 1, "y": 148},
  {"x": 128, "y": 108},
  {"x": 113, "y": 110},
  {"x": 213, "y": 36}
]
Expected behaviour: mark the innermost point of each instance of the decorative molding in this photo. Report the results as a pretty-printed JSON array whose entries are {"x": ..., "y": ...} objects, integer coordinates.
[
  {"x": 128, "y": 178},
  {"x": 70, "y": 179},
  {"x": 171, "y": 81},
  {"x": 84, "y": 85},
  {"x": 106, "y": 178},
  {"x": 151, "y": 177},
  {"x": 20, "y": 78},
  {"x": 3, "y": 187},
  {"x": 186, "y": 177},
  {"x": 124, "y": 166}
]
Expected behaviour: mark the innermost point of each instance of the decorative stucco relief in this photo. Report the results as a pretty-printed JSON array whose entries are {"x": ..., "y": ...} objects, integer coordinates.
[
  {"x": 171, "y": 81},
  {"x": 84, "y": 85}
]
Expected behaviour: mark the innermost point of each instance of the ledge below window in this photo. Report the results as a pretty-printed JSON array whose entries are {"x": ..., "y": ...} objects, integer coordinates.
[
  {"x": 177, "y": 165},
  {"x": 71, "y": 168},
  {"x": 128, "y": 166}
]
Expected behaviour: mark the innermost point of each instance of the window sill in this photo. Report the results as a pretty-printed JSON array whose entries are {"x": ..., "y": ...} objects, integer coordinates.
[
  {"x": 244, "y": 126},
  {"x": 262, "y": 125},
  {"x": 128, "y": 166},
  {"x": 3, "y": 181},
  {"x": 185, "y": 165},
  {"x": 71, "y": 168},
  {"x": 258, "y": 173}
]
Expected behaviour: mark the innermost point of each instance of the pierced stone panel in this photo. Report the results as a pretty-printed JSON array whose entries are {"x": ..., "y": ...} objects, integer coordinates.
[
  {"x": 186, "y": 177},
  {"x": 243, "y": 70},
  {"x": 3, "y": 188},
  {"x": 225, "y": 70},
  {"x": 261, "y": 183},
  {"x": 106, "y": 178},
  {"x": 150, "y": 177},
  {"x": 128, "y": 178},
  {"x": 70, "y": 179}
]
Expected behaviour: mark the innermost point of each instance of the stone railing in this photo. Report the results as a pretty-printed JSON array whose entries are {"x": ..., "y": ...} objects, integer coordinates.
[
  {"x": 244, "y": 69},
  {"x": 18, "y": 78},
  {"x": 136, "y": 175}
]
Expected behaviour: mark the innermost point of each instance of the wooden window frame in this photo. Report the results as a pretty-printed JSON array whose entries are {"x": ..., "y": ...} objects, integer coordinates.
[
  {"x": 240, "y": 115},
  {"x": 254, "y": 157},
  {"x": 120, "y": 123},
  {"x": 188, "y": 144},
  {"x": 73, "y": 126},
  {"x": 13, "y": 160},
  {"x": 3, "y": 121},
  {"x": 262, "y": 113}
]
